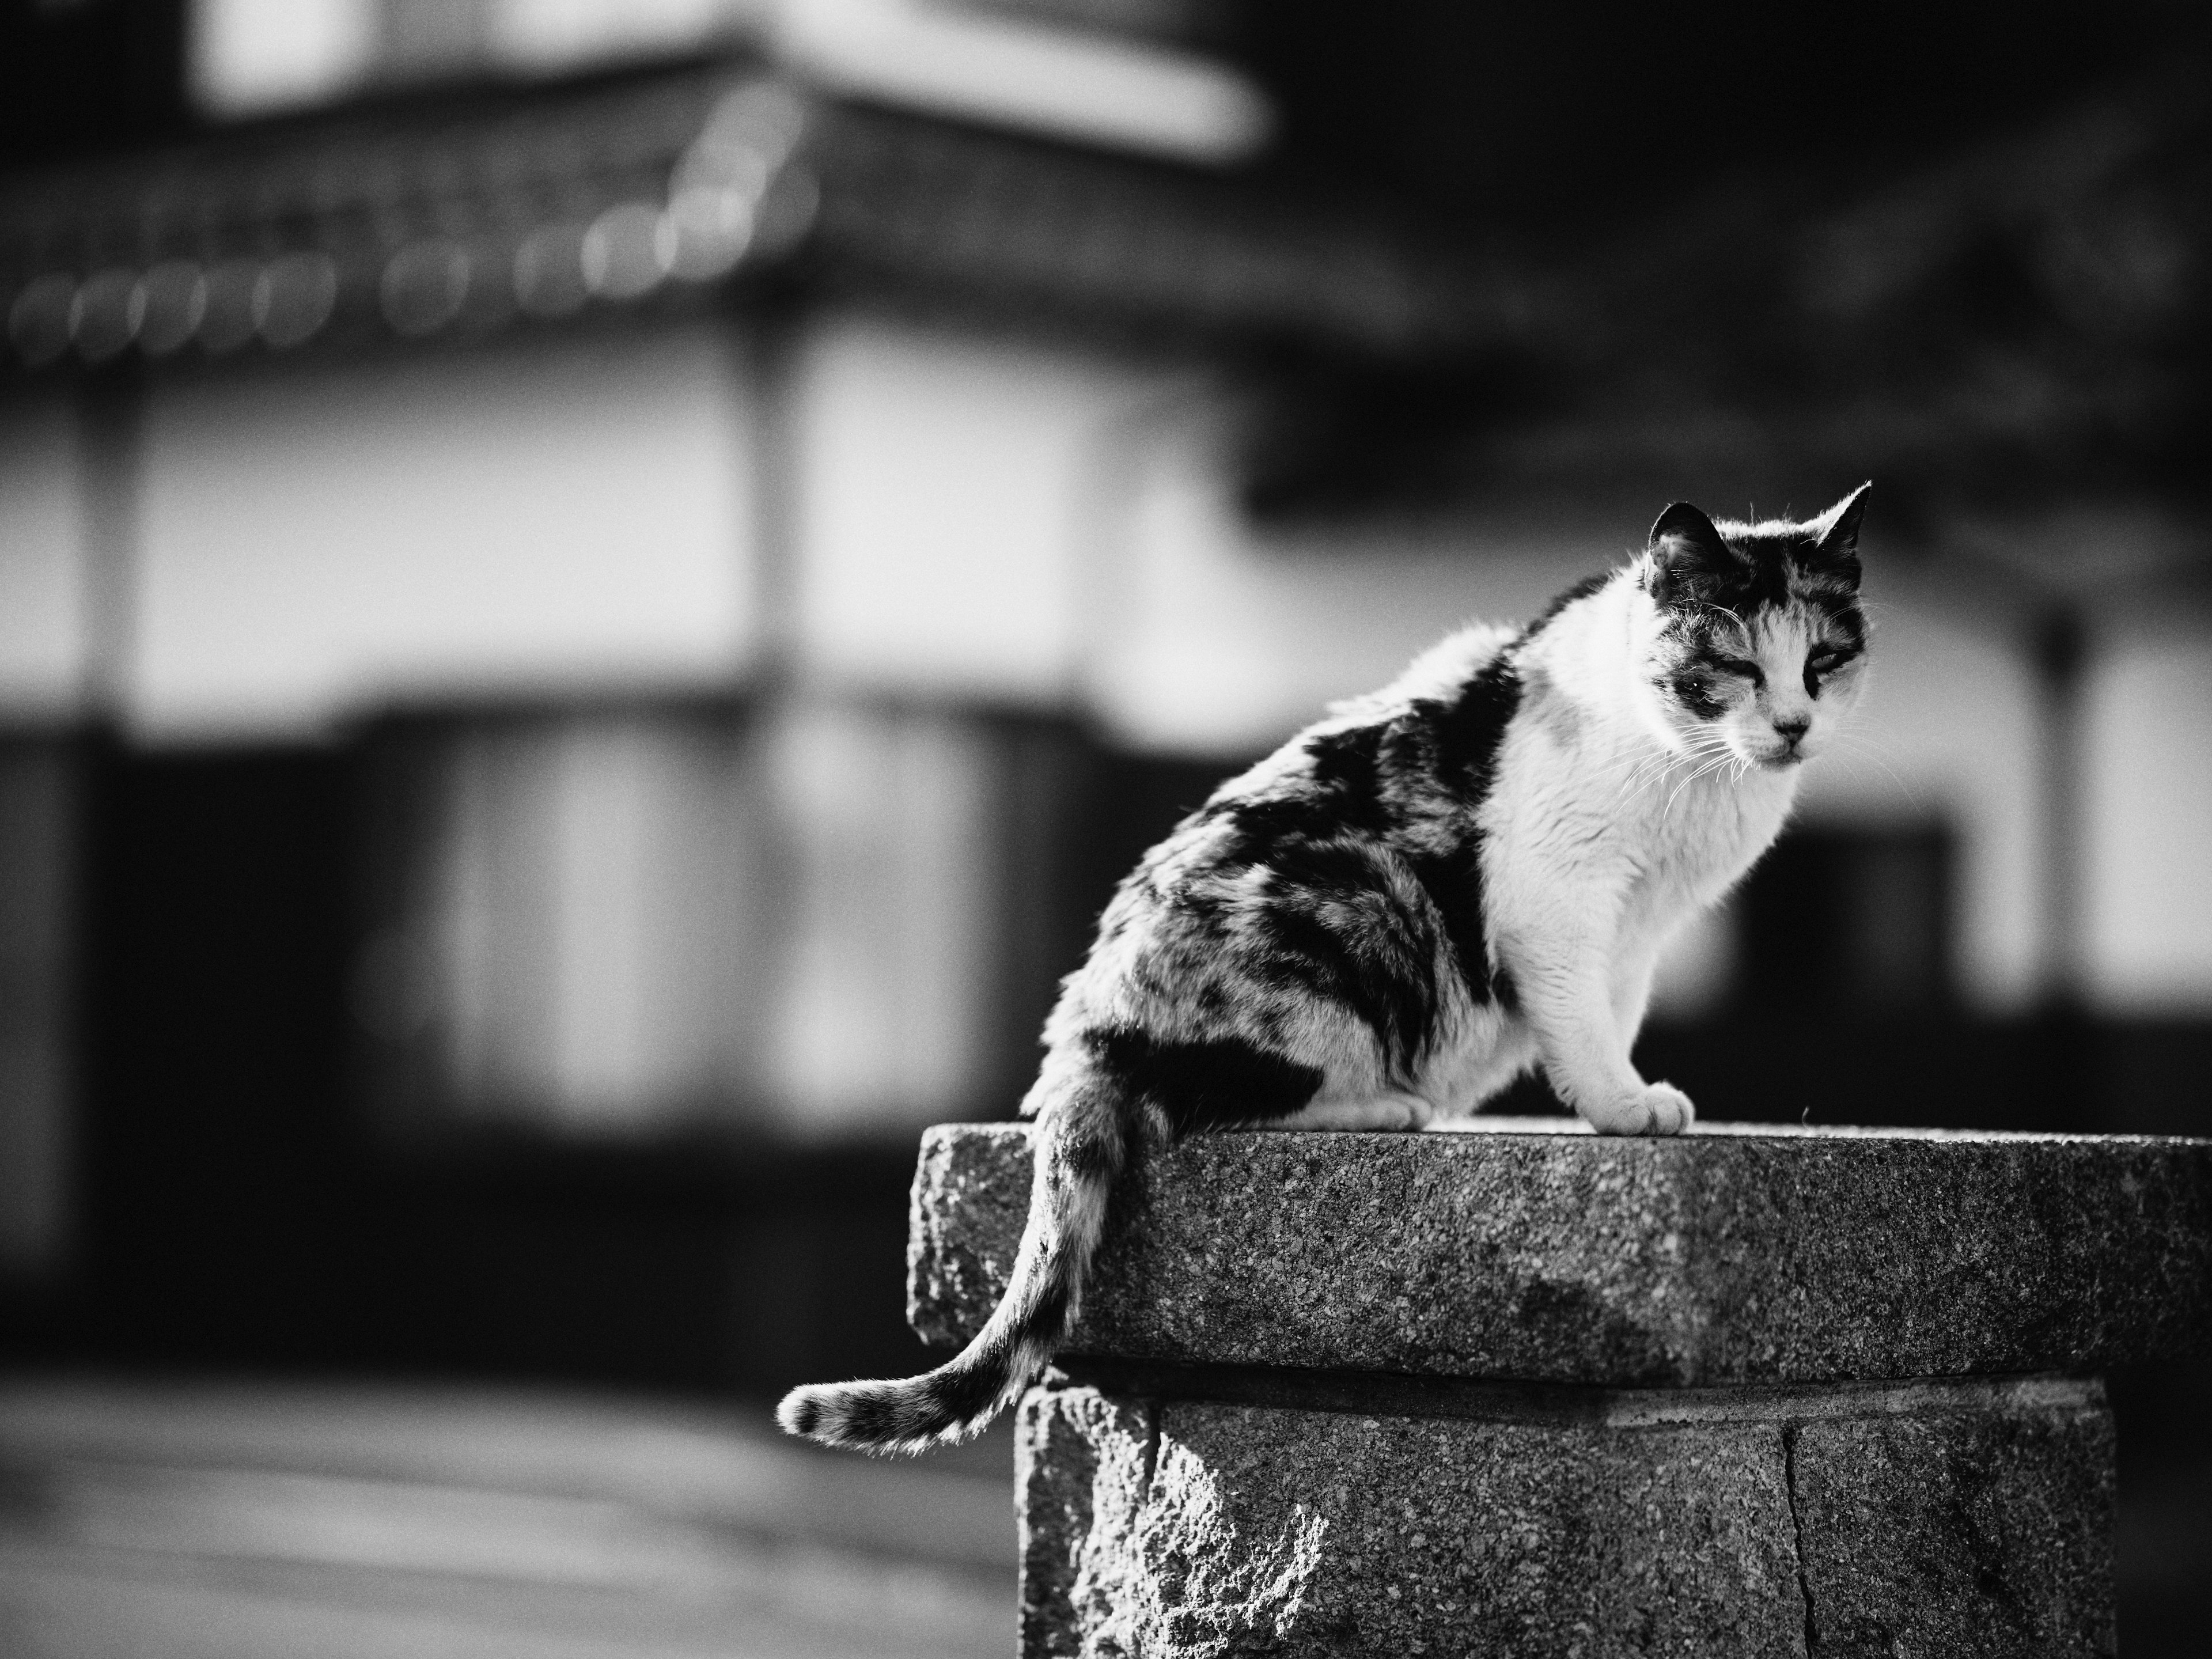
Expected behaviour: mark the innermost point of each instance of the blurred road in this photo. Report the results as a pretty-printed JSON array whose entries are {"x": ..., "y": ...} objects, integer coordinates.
[{"x": 240, "y": 1520}]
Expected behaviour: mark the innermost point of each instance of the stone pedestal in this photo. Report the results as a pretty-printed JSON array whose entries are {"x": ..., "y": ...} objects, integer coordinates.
[{"x": 1527, "y": 1392}]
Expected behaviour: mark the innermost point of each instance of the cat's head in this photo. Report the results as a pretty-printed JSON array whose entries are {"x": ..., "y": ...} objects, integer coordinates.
[{"x": 1761, "y": 641}]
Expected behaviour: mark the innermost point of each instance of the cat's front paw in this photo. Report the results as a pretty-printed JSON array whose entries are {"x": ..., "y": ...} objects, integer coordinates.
[{"x": 1656, "y": 1108}]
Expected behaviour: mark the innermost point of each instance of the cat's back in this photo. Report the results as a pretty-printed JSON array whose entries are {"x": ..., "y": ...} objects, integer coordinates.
[
  {"x": 1438, "y": 675},
  {"x": 1327, "y": 812},
  {"x": 1349, "y": 776}
]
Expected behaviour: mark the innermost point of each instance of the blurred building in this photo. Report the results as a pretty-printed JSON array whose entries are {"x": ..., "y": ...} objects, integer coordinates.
[{"x": 593, "y": 597}]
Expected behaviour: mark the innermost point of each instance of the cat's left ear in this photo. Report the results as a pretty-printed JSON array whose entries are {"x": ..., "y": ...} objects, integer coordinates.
[
  {"x": 1689, "y": 554},
  {"x": 1836, "y": 534}
]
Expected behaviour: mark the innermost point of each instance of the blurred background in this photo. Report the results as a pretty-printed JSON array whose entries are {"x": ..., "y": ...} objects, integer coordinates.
[{"x": 594, "y": 594}]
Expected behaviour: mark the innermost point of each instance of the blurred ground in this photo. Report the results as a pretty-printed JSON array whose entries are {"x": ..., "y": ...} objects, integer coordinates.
[
  {"x": 238, "y": 1520},
  {"x": 199, "y": 1520}
]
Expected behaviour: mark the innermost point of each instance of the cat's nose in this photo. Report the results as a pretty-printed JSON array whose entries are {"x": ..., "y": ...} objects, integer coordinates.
[{"x": 1793, "y": 728}]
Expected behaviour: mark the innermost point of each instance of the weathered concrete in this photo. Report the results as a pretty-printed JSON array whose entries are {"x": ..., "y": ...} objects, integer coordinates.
[
  {"x": 1955, "y": 1522},
  {"x": 1533, "y": 1393},
  {"x": 1970, "y": 1534},
  {"x": 1724, "y": 1256}
]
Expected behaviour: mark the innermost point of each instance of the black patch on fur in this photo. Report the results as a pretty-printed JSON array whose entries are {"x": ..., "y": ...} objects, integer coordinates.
[
  {"x": 1841, "y": 614},
  {"x": 1348, "y": 768},
  {"x": 1340, "y": 791},
  {"x": 961, "y": 1395},
  {"x": 1093, "y": 1161},
  {"x": 1503, "y": 991},
  {"x": 883, "y": 1420},
  {"x": 1468, "y": 735},
  {"x": 1204, "y": 1085},
  {"x": 1847, "y": 655},
  {"x": 1329, "y": 926},
  {"x": 1706, "y": 655},
  {"x": 1333, "y": 869},
  {"x": 1335, "y": 921},
  {"x": 806, "y": 1417},
  {"x": 1769, "y": 585},
  {"x": 1367, "y": 957},
  {"x": 1049, "y": 1318},
  {"x": 1332, "y": 926},
  {"x": 1748, "y": 570},
  {"x": 1471, "y": 728},
  {"x": 1695, "y": 564},
  {"x": 1693, "y": 689},
  {"x": 874, "y": 1420},
  {"x": 1453, "y": 882},
  {"x": 1261, "y": 825}
]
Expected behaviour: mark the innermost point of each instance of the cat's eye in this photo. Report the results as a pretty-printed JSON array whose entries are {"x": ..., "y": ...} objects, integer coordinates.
[
  {"x": 1821, "y": 664},
  {"x": 1738, "y": 665}
]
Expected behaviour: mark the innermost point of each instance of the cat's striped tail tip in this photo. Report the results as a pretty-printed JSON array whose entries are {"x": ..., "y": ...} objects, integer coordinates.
[
  {"x": 837, "y": 1414},
  {"x": 904, "y": 1417},
  {"x": 801, "y": 1411}
]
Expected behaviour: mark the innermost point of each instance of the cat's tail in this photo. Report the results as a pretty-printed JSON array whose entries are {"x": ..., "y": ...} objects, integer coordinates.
[{"x": 1081, "y": 1147}]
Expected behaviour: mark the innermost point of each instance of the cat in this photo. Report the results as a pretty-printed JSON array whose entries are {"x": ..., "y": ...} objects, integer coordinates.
[{"x": 1436, "y": 887}]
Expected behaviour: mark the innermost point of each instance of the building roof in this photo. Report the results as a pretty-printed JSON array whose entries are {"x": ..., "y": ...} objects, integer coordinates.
[
  {"x": 2021, "y": 320},
  {"x": 455, "y": 220}
]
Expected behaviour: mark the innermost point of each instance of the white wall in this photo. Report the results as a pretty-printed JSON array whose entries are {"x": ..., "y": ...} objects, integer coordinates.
[
  {"x": 951, "y": 518},
  {"x": 2149, "y": 797},
  {"x": 578, "y": 517}
]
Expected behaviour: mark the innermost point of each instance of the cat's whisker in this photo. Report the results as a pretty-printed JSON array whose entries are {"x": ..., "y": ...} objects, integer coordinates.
[
  {"x": 1647, "y": 768},
  {"x": 1630, "y": 764},
  {"x": 1710, "y": 766},
  {"x": 1703, "y": 750},
  {"x": 1640, "y": 771}
]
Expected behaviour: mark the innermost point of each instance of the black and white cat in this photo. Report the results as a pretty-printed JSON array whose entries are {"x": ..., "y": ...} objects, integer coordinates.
[{"x": 1410, "y": 903}]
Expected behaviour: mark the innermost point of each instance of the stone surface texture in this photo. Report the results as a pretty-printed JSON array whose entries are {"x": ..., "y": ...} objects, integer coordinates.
[
  {"x": 1965, "y": 1525},
  {"x": 1719, "y": 1257},
  {"x": 1966, "y": 1533}
]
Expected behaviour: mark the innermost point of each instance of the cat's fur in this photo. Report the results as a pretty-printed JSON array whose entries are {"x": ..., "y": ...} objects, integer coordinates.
[{"x": 1385, "y": 922}]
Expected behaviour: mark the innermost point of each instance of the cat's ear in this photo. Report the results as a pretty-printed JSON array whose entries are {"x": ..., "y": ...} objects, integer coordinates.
[
  {"x": 1685, "y": 547},
  {"x": 1836, "y": 534}
]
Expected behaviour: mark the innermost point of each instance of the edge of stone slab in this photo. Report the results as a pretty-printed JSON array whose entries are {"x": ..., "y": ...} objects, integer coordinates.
[
  {"x": 1899, "y": 1268},
  {"x": 1564, "y": 1127},
  {"x": 1567, "y": 1405},
  {"x": 1723, "y": 1130}
]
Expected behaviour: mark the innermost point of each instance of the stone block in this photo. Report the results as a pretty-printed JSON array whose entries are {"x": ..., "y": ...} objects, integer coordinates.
[
  {"x": 1959, "y": 1536},
  {"x": 1957, "y": 1520},
  {"x": 1728, "y": 1255}
]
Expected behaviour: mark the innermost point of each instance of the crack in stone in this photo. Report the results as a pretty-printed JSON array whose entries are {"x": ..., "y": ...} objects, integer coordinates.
[
  {"x": 1798, "y": 1532},
  {"x": 1151, "y": 1448}
]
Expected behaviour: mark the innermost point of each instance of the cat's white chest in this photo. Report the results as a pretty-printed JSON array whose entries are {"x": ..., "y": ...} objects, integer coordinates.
[{"x": 1687, "y": 849}]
